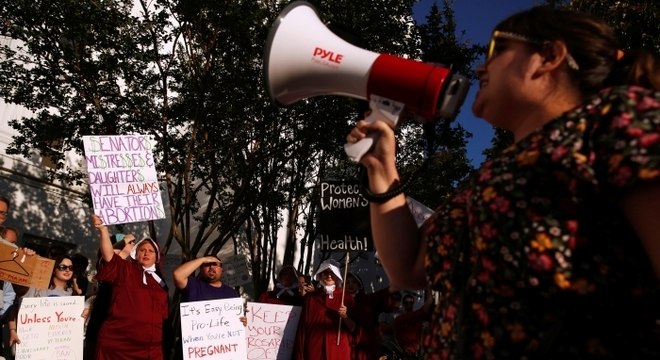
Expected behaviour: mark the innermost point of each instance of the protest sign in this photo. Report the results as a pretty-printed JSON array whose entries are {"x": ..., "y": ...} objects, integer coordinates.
[
  {"x": 344, "y": 218},
  {"x": 212, "y": 329},
  {"x": 236, "y": 270},
  {"x": 50, "y": 328},
  {"x": 122, "y": 178},
  {"x": 271, "y": 331},
  {"x": 419, "y": 211},
  {"x": 18, "y": 268}
]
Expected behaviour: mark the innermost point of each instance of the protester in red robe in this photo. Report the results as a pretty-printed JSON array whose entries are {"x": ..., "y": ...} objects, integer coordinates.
[
  {"x": 368, "y": 338},
  {"x": 139, "y": 304},
  {"x": 319, "y": 336},
  {"x": 408, "y": 326},
  {"x": 286, "y": 291}
]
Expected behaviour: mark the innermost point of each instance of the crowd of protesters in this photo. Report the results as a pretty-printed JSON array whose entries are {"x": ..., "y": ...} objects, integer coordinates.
[{"x": 127, "y": 304}]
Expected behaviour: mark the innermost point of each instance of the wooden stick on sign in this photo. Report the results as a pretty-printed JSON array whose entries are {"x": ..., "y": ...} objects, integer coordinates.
[{"x": 343, "y": 293}]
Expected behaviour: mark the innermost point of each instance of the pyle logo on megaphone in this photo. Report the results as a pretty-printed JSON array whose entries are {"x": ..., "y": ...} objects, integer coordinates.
[
  {"x": 326, "y": 55},
  {"x": 390, "y": 83}
]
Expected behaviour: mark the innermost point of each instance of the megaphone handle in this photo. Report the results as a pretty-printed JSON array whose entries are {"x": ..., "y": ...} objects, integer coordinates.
[{"x": 381, "y": 109}]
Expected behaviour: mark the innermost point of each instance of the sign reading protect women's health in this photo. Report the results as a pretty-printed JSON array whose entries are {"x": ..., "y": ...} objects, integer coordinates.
[
  {"x": 122, "y": 178},
  {"x": 212, "y": 329},
  {"x": 50, "y": 328}
]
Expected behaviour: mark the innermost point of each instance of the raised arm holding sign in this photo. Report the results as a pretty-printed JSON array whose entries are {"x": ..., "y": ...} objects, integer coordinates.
[{"x": 123, "y": 179}]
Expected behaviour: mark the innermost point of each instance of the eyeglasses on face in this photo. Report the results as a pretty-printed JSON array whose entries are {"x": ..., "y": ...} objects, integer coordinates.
[
  {"x": 214, "y": 264},
  {"x": 492, "y": 45},
  {"x": 62, "y": 267}
]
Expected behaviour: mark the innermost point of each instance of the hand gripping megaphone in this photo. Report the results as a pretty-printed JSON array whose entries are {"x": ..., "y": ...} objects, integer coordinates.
[{"x": 303, "y": 58}]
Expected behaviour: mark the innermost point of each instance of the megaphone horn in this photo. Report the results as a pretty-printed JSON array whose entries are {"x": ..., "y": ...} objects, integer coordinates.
[{"x": 303, "y": 58}]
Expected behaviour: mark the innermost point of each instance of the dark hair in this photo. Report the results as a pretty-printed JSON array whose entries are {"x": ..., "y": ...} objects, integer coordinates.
[
  {"x": 80, "y": 264},
  {"x": 289, "y": 268},
  {"x": 593, "y": 45},
  {"x": 357, "y": 278},
  {"x": 5, "y": 228},
  {"x": 117, "y": 245},
  {"x": 69, "y": 283},
  {"x": 6, "y": 201},
  {"x": 56, "y": 251}
]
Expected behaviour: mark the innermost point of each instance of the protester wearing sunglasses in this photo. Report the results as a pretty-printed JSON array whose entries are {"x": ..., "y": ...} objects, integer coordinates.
[
  {"x": 208, "y": 285},
  {"x": 551, "y": 249},
  {"x": 61, "y": 284}
]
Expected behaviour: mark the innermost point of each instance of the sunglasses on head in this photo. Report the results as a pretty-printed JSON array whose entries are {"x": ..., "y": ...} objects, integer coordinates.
[
  {"x": 61, "y": 267},
  {"x": 518, "y": 37}
]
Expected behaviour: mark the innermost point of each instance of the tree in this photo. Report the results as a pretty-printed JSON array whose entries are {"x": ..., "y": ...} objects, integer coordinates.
[
  {"x": 500, "y": 141},
  {"x": 443, "y": 144},
  {"x": 235, "y": 167},
  {"x": 635, "y": 21}
]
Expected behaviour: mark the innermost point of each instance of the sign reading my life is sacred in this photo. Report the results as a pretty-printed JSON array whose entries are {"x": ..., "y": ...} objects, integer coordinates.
[
  {"x": 344, "y": 218},
  {"x": 50, "y": 328},
  {"x": 122, "y": 178}
]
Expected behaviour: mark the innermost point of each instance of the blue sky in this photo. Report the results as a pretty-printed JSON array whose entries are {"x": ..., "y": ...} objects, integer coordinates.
[{"x": 477, "y": 18}]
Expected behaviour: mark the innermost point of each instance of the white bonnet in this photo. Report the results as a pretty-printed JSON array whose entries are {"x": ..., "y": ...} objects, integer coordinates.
[
  {"x": 333, "y": 266},
  {"x": 134, "y": 249}
]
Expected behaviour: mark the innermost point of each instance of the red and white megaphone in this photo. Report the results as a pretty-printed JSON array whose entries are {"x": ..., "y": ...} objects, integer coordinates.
[{"x": 303, "y": 58}]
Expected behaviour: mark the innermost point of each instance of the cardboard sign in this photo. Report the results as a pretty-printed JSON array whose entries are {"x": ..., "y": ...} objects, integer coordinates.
[
  {"x": 50, "y": 328},
  {"x": 271, "y": 330},
  {"x": 122, "y": 178},
  {"x": 17, "y": 268},
  {"x": 212, "y": 329},
  {"x": 344, "y": 218}
]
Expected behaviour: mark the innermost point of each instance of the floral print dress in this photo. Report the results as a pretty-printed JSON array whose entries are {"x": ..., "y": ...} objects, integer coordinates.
[{"x": 534, "y": 259}]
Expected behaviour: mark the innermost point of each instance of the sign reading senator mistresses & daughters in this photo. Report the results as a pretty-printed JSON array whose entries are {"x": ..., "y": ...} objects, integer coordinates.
[{"x": 122, "y": 178}]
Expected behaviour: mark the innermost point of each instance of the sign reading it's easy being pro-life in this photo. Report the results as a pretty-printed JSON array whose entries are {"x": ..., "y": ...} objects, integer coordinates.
[{"x": 122, "y": 178}]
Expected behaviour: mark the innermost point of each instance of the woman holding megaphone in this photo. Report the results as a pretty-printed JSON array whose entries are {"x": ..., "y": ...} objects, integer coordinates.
[{"x": 551, "y": 250}]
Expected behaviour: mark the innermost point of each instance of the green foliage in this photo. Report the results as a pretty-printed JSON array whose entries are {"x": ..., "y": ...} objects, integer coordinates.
[
  {"x": 75, "y": 67},
  {"x": 500, "y": 141},
  {"x": 441, "y": 43},
  {"x": 444, "y": 145},
  {"x": 190, "y": 74},
  {"x": 636, "y": 22}
]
